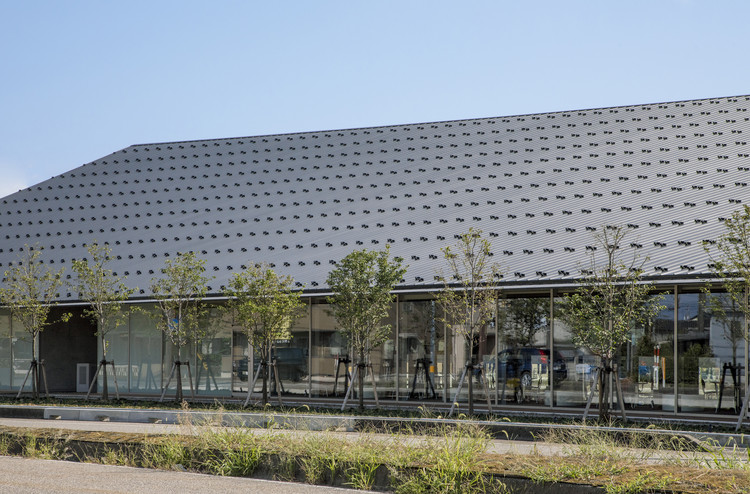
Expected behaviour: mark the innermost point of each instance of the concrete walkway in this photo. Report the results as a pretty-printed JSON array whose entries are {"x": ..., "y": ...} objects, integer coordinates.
[
  {"x": 496, "y": 446},
  {"x": 29, "y": 476}
]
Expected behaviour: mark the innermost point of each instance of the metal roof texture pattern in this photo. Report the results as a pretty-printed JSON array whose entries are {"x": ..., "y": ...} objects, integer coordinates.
[{"x": 538, "y": 186}]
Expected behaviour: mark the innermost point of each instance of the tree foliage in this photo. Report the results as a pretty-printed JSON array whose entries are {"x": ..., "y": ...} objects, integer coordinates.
[
  {"x": 105, "y": 292},
  {"x": 179, "y": 293},
  {"x": 265, "y": 305},
  {"x": 469, "y": 295},
  {"x": 30, "y": 291},
  {"x": 611, "y": 297},
  {"x": 361, "y": 284}
]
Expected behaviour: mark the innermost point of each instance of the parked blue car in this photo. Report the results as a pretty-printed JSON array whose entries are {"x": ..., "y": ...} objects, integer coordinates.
[{"x": 516, "y": 363}]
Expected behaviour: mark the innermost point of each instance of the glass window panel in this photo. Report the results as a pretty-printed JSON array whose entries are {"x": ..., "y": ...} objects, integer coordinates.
[
  {"x": 117, "y": 341},
  {"x": 292, "y": 358},
  {"x": 524, "y": 364},
  {"x": 6, "y": 355},
  {"x": 21, "y": 347},
  {"x": 646, "y": 363},
  {"x": 213, "y": 355},
  {"x": 480, "y": 351},
  {"x": 240, "y": 378},
  {"x": 421, "y": 350},
  {"x": 711, "y": 354},
  {"x": 329, "y": 355},
  {"x": 381, "y": 359},
  {"x": 145, "y": 352},
  {"x": 580, "y": 365}
]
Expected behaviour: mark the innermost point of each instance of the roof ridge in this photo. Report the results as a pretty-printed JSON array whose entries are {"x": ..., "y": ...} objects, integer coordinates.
[{"x": 747, "y": 96}]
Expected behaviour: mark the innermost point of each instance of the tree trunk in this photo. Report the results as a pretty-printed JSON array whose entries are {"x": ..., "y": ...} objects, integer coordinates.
[
  {"x": 178, "y": 368},
  {"x": 105, "y": 390},
  {"x": 264, "y": 374},
  {"x": 604, "y": 391},
  {"x": 35, "y": 382},
  {"x": 361, "y": 380},
  {"x": 470, "y": 375}
]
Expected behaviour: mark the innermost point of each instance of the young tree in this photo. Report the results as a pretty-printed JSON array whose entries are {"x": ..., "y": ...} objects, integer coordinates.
[
  {"x": 30, "y": 291},
  {"x": 105, "y": 292},
  {"x": 730, "y": 263},
  {"x": 179, "y": 293},
  {"x": 265, "y": 305},
  {"x": 610, "y": 300},
  {"x": 362, "y": 283},
  {"x": 469, "y": 295}
]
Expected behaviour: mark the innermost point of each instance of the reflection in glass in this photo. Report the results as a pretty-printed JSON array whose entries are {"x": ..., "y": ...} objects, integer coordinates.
[
  {"x": 646, "y": 363},
  {"x": 381, "y": 361},
  {"x": 480, "y": 351},
  {"x": 711, "y": 350},
  {"x": 240, "y": 355},
  {"x": 21, "y": 350},
  {"x": 580, "y": 365},
  {"x": 524, "y": 363},
  {"x": 117, "y": 341},
  {"x": 421, "y": 350},
  {"x": 145, "y": 352},
  {"x": 292, "y": 359},
  {"x": 330, "y": 365},
  {"x": 6, "y": 355},
  {"x": 212, "y": 354}
]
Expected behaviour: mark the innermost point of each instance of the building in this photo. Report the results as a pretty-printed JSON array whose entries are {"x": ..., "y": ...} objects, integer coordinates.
[{"x": 537, "y": 185}]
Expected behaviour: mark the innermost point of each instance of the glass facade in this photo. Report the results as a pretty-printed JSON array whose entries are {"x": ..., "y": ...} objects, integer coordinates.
[
  {"x": 690, "y": 358},
  {"x": 291, "y": 361}
]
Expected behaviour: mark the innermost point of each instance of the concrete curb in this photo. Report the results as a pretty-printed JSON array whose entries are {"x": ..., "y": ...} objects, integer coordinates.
[{"x": 143, "y": 416}]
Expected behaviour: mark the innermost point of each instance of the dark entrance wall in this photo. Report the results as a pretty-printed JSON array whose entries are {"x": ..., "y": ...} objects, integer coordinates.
[{"x": 65, "y": 344}]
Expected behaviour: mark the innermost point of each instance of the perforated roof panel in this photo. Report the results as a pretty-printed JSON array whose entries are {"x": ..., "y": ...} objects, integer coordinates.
[{"x": 536, "y": 185}]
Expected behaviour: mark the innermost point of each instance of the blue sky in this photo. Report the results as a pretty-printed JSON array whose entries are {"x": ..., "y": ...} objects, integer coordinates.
[{"x": 80, "y": 80}]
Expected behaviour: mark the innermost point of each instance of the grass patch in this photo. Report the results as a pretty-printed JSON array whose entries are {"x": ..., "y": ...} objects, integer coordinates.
[{"x": 450, "y": 459}]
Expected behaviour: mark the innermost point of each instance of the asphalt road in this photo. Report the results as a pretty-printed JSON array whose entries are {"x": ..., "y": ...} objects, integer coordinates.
[{"x": 28, "y": 476}]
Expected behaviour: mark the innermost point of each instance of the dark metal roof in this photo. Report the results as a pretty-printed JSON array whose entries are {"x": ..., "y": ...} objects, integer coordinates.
[{"x": 537, "y": 185}]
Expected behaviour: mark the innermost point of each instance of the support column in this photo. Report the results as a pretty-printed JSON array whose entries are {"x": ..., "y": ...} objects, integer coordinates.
[
  {"x": 309, "y": 347},
  {"x": 396, "y": 356},
  {"x": 674, "y": 351},
  {"x": 551, "y": 361}
]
